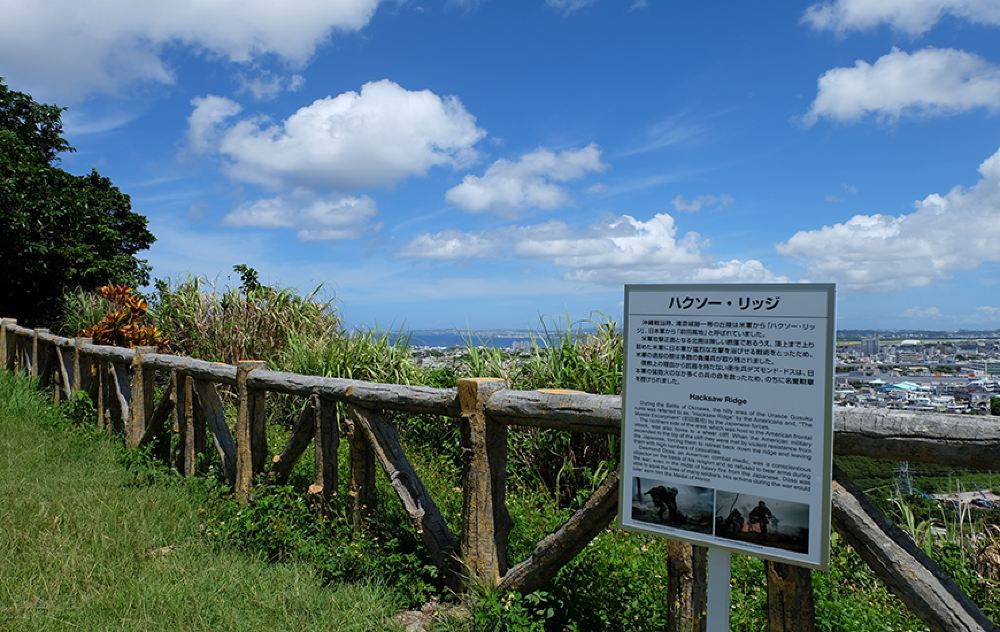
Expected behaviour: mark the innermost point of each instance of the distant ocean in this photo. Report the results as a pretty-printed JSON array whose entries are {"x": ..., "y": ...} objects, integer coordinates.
[{"x": 456, "y": 339}]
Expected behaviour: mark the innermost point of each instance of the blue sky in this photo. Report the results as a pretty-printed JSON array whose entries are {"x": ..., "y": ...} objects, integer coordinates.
[{"x": 480, "y": 164}]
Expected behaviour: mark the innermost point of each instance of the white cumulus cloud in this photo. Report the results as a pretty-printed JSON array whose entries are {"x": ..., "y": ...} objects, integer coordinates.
[
  {"x": 910, "y": 16},
  {"x": 621, "y": 249},
  {"x": 313, "y": 217},
  {"x": 209, "y": 113},
  {"x": 530, "y": 182},
  {"x": 66, "y": 49},
  {"x": 374, "y": 137},
  {"x": 958, "y": 230},
  {"x": 930, "y": 81}
]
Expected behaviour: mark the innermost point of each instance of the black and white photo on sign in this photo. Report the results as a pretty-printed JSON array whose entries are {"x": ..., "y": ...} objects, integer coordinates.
[{"x": 672, "y": 504}]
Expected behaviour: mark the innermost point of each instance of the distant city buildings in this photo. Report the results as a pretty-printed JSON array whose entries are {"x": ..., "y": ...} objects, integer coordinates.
[
  {"x": 869, "y": 347},
  {"x": 938, "y": 374}
]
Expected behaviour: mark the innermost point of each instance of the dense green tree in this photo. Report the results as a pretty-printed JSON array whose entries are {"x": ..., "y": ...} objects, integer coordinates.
[
  {"x": 995, "y": 405},
  {"x": 57, "y": 230}
]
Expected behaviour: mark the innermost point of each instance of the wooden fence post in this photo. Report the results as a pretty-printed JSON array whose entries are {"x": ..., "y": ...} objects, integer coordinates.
[
  {"x": 35, "y": 359},
  {"x": 22, "y": 360},
  {"x": 485, "y": 521},
  {"x": 143, "y": 402},
  {"x": 64, "y": 374},
  {"x": 8, "y": 346},
  {"x": 790, "y": 606},
  {"x": 361, "y": 492},
  {"x": 101, "y": 368},
  {"x": 57, "y": 378},
  {"x": 251, "y": 436},
  {"x": 119, "y": 393},
  {"x": 82, "y": 366},
  {"x": 181, "y": 394},
  {"x": 326, "y": 439},
  {"x": 687, "y": 588},
  {"x": 213, "y": 412},
  {"x": 194, "y": 430}
]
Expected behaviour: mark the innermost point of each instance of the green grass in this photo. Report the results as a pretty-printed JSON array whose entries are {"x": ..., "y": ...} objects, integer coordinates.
[{"x": 89, "y": 544}]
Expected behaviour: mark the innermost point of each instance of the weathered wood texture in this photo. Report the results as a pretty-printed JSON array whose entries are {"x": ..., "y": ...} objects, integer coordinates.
[
  {"x": 790, "y": 604},
  {"x": 182, "y": 394},
  {"x": 35, "y": 369},
  {"x": 906, "y": 570},
  {"x": 251, "y": 435},
  {"x": 103, "y": 393},
  {"x": 327, "y": 441},
  {"x": 64, "y": 373},
  {"x": 687, "y": 586},
  {"x": 909, "y": 436},
  {"x": 302, "y": 434},
  {"x": 558, "y": 548},
  {"x": 414, "y": 399},
  {"x": 361, "y": 487},
  {"x": 194, "y": 431},
  {"x": 24, "y": 357},
  {"x": 427, "y": 519},
  {"x": 83, "y": 366},
  {"x": 108, "y": 352},
  {"x": 198, "y": 369},
  {"x": 7, "y": 342},
  {"x": 582, "y": 412},
  {"x": 157, "y": 421},
  {"x": 485, "y": 521},
  {"x": 121, "y": 394},
  {"x": 141, "y": 406},
  {"x": 215, "y": 417}
]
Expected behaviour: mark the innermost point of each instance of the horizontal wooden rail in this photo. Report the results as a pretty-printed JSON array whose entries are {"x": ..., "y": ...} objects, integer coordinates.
[
  {"x": 958, "y": 440},
  {"x": 411, "y": 399}
]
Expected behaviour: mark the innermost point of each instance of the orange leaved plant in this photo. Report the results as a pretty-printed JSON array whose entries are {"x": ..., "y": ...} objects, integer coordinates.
[{"x": 124, "y": 326}]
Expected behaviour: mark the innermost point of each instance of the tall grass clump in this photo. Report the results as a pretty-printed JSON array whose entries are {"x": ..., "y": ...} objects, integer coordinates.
[
  {"x": 79, "y": 309},
  {"x": 584, "y": 355},
  {"x": 252, "y": 321},
  {"x": 576, "y": 357},
  {"x": 371, "y": 355}
]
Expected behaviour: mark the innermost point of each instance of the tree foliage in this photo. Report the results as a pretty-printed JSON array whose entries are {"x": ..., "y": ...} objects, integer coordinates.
[{"x": 58, "y": 231}]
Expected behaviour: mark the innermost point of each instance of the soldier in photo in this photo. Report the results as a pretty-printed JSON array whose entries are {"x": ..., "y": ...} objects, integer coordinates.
[
  {"x": 761, "y": 516},
  {"x": 665, "y": 499}
]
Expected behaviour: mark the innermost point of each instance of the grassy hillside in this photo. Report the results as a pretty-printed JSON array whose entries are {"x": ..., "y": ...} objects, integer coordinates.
[{"x": 88, "y": 544}]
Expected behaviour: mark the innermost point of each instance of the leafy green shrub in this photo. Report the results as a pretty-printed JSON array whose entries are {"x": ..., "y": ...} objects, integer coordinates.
[
  {"x": 79, "y": 411},
  {"x": 282, "y": 525},
  {"x": 513, "y": 612},
  {"x": 618, "y": 582}
]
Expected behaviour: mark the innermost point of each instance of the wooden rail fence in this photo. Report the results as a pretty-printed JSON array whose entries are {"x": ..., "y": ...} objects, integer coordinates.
[{"x": 120, "y": 382}]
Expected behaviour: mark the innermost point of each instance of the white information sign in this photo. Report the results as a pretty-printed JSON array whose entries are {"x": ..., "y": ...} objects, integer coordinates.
[{"x": 728, "y": 417}]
